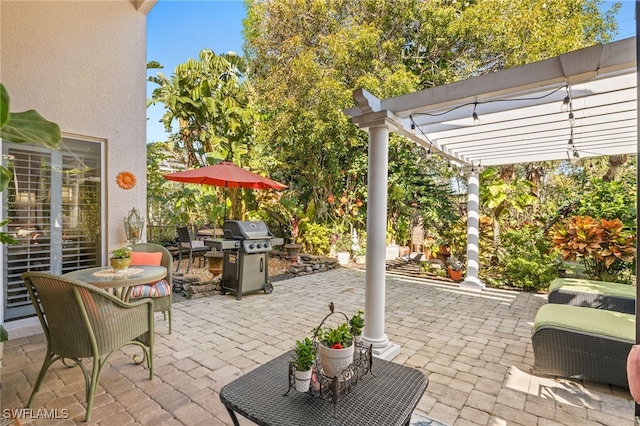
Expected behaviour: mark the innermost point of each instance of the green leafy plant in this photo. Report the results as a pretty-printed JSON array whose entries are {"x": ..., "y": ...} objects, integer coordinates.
[
  {"x": 292, "y": 216},
  {"x": 431, "y": 246},
  {"x": 304, "y": 354},
  {"x": 526, "y": 258},
  {"x": 343, "y": 243},
  {"x": 26, "y": 127},
  {"x": 315, "y": 239},
  {"x": 338, "y": 337},
  {"x": 455, "y": 263},
  {"x": 121, "y": 253},
  {"x": 356, "y": 323},
  {"x": 455, "y": 238},
  {"x": 440, "y": 272}
]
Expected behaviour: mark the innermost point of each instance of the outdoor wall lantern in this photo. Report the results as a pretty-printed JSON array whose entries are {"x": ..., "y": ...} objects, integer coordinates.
[{"x": 133, "y": 225}]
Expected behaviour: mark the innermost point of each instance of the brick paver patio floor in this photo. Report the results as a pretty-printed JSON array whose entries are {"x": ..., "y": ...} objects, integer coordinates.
[{"x": 474, "y": 347}]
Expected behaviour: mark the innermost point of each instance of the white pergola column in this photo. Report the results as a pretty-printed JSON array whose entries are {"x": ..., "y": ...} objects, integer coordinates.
[
  {"x": 472, "y": 281},
  {"x": 374, "y": 305},
  {"x": 378, "y": 122}
]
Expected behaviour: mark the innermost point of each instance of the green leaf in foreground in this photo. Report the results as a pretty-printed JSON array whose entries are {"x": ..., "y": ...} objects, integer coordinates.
[
  {"x": 30, "y": 127},
  {"x": 4, "y": 106},
  {"x": 5, "y": 178}
]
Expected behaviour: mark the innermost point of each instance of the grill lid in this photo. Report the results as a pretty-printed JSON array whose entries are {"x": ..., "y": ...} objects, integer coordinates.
[{"x": 245, "y": 230}]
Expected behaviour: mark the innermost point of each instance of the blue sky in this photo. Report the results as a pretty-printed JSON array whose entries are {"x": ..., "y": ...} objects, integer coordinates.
[{"x": 179, "y": 29}]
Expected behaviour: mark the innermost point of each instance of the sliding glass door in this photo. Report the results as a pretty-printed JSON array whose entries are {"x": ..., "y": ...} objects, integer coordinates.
[{"x": 54, "y": 204}]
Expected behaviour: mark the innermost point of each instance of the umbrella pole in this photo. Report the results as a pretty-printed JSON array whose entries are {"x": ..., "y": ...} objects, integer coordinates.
[{"x": 224, "y": 192}]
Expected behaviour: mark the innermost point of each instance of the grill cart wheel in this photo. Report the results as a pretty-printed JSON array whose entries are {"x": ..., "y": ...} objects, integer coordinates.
[{"x": 268, "y": 288}]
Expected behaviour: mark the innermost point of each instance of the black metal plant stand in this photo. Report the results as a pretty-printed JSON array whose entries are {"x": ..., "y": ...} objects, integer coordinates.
[{"x": 332, "y": 389}]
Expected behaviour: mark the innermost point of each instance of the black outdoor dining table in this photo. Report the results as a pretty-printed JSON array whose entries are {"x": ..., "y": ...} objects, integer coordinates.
[{"x": 385, "y": 398}]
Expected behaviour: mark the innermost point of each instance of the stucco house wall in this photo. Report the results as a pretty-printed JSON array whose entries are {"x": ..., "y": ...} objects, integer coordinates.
[{"x": 82, "y": 64}]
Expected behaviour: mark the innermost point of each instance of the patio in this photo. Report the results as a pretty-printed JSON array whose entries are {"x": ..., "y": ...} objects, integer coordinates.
[{"x": 475, "y": 348}]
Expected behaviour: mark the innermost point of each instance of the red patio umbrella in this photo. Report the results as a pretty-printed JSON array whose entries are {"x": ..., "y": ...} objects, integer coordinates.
[{"x": 227, "y": 175}]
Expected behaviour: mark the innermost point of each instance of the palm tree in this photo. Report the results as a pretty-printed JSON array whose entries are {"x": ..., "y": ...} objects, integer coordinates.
[{"x": 210, "y": 99}]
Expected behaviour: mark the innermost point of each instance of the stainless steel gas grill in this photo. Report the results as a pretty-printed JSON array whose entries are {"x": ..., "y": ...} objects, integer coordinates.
[{"x": 245, "y": 247}]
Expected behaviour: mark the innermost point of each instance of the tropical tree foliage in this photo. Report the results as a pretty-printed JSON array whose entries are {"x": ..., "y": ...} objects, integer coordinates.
[
  {"x": 190, "y": 204},
  {"x": 210, "y": 100},
  {"x": 307, "y": 56},
  {"x": 283, "y": 113},
  {"x": 450, "y": 40}
]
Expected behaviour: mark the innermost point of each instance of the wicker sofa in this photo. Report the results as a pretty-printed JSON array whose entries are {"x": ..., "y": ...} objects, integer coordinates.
[
  {"x": 593, "y": 294},
  {"x": 585, "y": 343}
]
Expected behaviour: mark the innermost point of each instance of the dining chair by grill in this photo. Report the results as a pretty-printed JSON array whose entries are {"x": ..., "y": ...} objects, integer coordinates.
[
  {"x": 160, "y": 292},
  {"x": 194, "y": 248},
  {"x": 82, "y": 321}
]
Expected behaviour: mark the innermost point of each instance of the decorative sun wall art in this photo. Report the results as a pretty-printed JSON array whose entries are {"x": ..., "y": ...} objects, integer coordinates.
[{"x": 126, "y": 180}]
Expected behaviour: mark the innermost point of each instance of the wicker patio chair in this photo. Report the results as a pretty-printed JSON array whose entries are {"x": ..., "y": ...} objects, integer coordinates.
[
  {"x": 162, "y": 300},
  {"x": 194, "y": 248},
  {"x": 83, "y": 321}
]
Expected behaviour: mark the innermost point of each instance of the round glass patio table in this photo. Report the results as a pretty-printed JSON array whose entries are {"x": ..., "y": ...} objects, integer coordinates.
[{"x": 119, "y": 284}]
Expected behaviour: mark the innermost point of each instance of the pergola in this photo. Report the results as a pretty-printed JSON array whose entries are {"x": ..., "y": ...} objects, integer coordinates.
[{"x": 577, "y": 105}]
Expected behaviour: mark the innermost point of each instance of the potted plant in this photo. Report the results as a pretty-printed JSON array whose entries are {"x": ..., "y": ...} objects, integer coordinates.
[
  {"x": 360, "y": 257},
  {"x": 356, "y": 324},
  {"x": 304, "y": 356},
  {"x": 454, "y": 268},
  {"x": 294, "y": 217},
  {"x": 336, "y": 348},
  {"x": 120, "y": 259}
]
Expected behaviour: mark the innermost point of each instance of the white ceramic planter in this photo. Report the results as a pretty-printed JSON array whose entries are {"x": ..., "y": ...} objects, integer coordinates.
[
  {"x": 392, "y": 252},
  {"x": 343, "y": 257},
  {"x": 303, "y": 378},
  {"x": 335, "y": 360}
]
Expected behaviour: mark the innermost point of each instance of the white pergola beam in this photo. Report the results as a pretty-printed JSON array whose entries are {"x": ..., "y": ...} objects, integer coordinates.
[{"x": 572, "y": 67}]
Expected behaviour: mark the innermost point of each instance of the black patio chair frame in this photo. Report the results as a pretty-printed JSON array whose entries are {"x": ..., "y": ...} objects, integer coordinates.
[{"x": 186, "y": 245}]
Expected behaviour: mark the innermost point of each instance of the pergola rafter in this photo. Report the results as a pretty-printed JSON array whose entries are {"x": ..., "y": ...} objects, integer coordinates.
[{"x": 520, "y": 110}]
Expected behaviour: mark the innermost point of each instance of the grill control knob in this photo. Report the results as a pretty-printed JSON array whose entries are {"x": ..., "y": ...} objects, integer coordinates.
[
  {"x": 251, "y": 246},
  {"x": 259, "y": 245},
  {"x": 266, "y": 244}
]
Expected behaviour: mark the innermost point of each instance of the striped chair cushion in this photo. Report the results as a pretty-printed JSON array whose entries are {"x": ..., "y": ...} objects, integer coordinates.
[{"x": 159, "y": 289}]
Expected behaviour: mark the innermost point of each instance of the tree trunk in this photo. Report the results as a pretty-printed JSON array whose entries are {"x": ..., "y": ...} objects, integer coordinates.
[
  {"x": 507, "y": 172},
  {"x": 535, "y": 173},
  {"x": 615, "y": 161}
]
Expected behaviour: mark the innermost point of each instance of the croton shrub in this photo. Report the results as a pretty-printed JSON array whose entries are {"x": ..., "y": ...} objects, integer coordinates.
[{"x": 604, "y": 246}]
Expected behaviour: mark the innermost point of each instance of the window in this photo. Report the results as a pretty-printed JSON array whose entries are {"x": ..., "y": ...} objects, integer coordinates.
[{"x": 54, "y": 203}]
